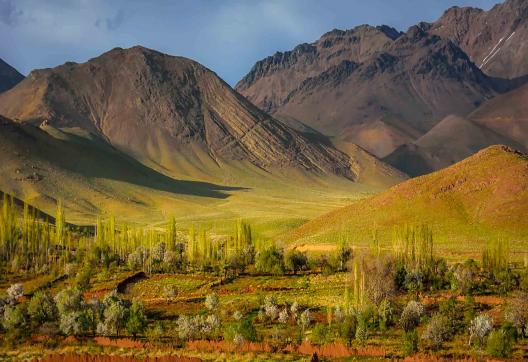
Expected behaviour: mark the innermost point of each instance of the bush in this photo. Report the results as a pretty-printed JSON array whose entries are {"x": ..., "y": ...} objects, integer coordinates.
[
  {"x": 270, "y": 261},
  {"x": 479, "y": 328},
  {"x": 15, "y": 322},
  {"x": 42, "y": 308},
  {"x": 321, "y": 334},
  {"x": 411, "y": 315},
  {"x": 500, "y": 344},
  {"x": 438, "y": 331},
  {"x": 212, "y": 301},
  {"x": 347, "y": 329},
  {"x": 410, "y": 342},
  {"x": 243, "y": 329},
  {"x": 295, "y": 261}
]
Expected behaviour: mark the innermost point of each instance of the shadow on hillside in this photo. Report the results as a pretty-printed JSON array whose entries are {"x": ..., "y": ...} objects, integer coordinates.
[{"x": 95, "y": 158}]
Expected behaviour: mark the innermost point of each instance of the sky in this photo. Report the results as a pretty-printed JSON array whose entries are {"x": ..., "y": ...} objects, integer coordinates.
[{"x": 227, "y": 36}]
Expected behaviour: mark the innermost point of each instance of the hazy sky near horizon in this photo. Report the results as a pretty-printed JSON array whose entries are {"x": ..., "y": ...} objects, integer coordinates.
[{"x": 227, "y": 36}]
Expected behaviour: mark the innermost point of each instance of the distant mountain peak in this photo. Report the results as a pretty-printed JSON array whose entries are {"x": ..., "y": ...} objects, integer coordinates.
[{"x": 161, "y": 108}]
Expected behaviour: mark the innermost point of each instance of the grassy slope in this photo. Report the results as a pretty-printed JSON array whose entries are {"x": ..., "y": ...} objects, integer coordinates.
[
  {"x": 93, "y": 178},
  {"x": 482, "y": 197}
]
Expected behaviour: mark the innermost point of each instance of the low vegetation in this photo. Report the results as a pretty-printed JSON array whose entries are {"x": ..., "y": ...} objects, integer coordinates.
[{"x": 200, "y": 292}]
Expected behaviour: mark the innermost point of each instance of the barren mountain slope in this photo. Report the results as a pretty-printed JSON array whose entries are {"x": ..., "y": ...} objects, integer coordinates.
[
  {"x": 506, "y": 114},
  {"x": 391, "y": 95},
  {"x": 495, "y": 40},
  {"x": 451, "y": 140},
  {"x": 165, "y": 111}
]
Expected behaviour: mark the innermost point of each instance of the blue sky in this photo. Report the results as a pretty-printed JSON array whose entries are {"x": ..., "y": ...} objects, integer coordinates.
[{"x": 227, "y": 36}]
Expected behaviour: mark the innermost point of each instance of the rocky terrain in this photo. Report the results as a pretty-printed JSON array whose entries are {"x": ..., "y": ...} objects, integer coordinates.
[
  {"x": 160, "y": 108},
  {"x": 383, "y": 89},
  {"x": 495, "y": 40}
]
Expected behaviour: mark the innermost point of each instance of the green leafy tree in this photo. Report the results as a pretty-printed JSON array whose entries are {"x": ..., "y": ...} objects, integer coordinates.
[
  {"x": 295, "y": 261},
  {"x": 137, "y": 321},
  {"x": 41, "y": 308},
  {"x": 270, "y": 261}
]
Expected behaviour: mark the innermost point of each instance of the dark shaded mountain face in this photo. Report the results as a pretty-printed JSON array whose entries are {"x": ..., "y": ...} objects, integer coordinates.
[
  {"x": 495, "y": 40},
  {"x": 9, "y": 76},
  {"x": 451, "y": 140},
  {"x": 160, "y": 108},
  {"x": 372, "y": 86}
]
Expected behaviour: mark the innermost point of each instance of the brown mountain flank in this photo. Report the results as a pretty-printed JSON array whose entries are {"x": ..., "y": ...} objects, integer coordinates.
[
  {"x": 380, "y": 98},
  {"x": 451, "y": 140},
  {"x": 162, "y": 109},
  {"x": 495, "y": 40}
]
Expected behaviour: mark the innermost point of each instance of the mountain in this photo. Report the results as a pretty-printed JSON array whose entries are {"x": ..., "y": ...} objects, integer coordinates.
[
  {"x": 373, "y": 86},
  {"x": 500, "y": 120},
  {"x": 477, "y": 199},
  {"x": 9, "y": 76},
  {"x": 166, "y": 111},
  {"x": 451, "y": 140},
  {"x": 143, "y": 135},
  {"x": 495, "y": 40},
  {"x": 506, "y": 114},
  {"x": 43, "y": 164}
]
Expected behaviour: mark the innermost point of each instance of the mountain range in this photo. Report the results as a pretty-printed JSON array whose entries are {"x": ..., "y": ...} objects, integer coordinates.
[
  {"x": 138, "y": 132},
  {"x": 144, "y": 119},
  {"x": 385, "y": 90}
]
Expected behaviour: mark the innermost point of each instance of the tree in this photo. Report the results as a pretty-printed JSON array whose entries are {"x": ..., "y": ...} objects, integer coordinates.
[
  {"x": 411, "y": 315},
  {"x": 479, "y": 328},
  {"x": 270, "y": 261},
  {"x": 15, "y": 322},
  {"x": 68, "y": 300},
  {"x": 212, "y": 301},
  {"x": 115, "y": 316},
  {"x": 500, "y": 344},
  {"x": 137, "y": 321},
  {"x": 438, "y": 331},
  {"x": 75, "y": 323},
  {"x": 295, "y": 261},
  {"x": 14, "y": 292},
  {"x": 42, "y": 308}
]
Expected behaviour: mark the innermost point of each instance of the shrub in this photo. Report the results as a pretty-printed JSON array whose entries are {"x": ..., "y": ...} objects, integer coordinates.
[
  {"x": 270, "y": 261},
  {"x": 295, "y": 261},
  {"x": 411, "y": 315},
  {"x": 305, "y": 319},
  {"x": 410, "y": 342},
  {"x": 212, "y": 301},
  {"x": 479, "y": 328},
  {"x": 42, "y": 308},
  {"x": 320, "y": 334},
  {"x": 517, "y": 315},
  {"x": 438, "y": 331},
  {"x": 14, "y": 292},
  {"x": 500, "y": 344},
  {"x": 380, "y": 282},
  {"x": 347, "y": 330},
  {"x": 68, "y": 300},
  {"x": 137, "y": 321},
  {"x": 243, "y": 329},
  {"x": 15, "y": 322},
  {"x": 74, "y": 323},
  {"x": 362, "y": 331}
]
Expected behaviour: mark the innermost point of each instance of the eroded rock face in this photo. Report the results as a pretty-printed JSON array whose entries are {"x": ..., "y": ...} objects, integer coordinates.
[
  {"x": 495, "y": 40},
  {"x": 370, "y": 84},
  {"x": 155, "y": 106}
]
